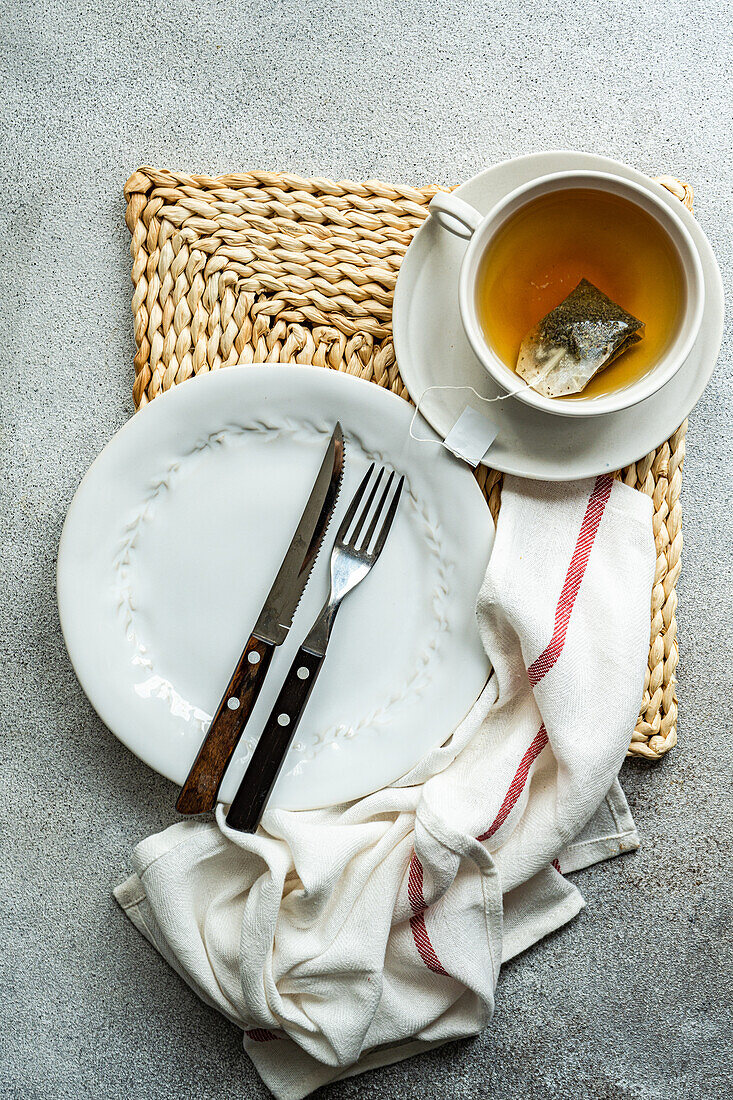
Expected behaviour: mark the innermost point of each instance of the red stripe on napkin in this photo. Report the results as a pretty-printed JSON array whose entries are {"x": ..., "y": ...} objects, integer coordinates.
[
  {"x": 556, "y": 865},
  {"x": 415, "y": 886},
  {"x": 417, "y": 921},
  {"x": 517, "y": 784},
  {"x": 261, "y": 1035},
  {"x": 424, "y": 946},
  {"x": 539, "y": 668},
  {"x": 574, "y": 577},
  {"x": 415, "y": 878}
]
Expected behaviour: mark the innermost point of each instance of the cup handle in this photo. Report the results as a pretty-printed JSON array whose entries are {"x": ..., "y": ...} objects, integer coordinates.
[{"x": 455, "y": 215}]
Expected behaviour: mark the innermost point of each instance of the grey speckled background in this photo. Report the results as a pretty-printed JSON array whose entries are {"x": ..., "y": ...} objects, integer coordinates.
[{"x": 632, "y": 1000}]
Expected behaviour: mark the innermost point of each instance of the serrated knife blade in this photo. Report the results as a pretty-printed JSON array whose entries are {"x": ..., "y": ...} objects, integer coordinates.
[
  {"x": 199, "y": 792},
  {"x": 279, "y": 608}
]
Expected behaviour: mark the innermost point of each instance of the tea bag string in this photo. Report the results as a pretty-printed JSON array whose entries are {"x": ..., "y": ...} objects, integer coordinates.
[{"x": 486, "y": 400}]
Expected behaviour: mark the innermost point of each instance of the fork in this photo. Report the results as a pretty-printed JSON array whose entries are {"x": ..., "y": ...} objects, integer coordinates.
[{"x": 352, "y": 558}]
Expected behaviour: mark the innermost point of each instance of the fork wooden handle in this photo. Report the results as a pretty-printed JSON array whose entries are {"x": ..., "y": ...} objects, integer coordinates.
[
  {"x": 199, "y": 792},
  {"x": 267, "y": 759}
]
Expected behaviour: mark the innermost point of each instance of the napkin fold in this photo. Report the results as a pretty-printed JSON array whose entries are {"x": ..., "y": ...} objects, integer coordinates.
[{"x": 354, "y": 936}]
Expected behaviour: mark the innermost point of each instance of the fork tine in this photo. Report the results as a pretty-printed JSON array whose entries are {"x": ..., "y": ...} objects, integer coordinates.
[
  {"x": 377, "y": 514},
  {"x": 382, "y": 538},
  {"x": 365, "y": 510},
  {"x": 348, "y": 518}
]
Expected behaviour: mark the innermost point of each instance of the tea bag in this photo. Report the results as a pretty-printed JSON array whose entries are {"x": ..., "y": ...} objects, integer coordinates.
[{"x": 581, "y": 336}]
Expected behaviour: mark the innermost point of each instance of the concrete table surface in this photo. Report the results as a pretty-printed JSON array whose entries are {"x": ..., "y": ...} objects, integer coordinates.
[{"x": 631, "y": 1000}]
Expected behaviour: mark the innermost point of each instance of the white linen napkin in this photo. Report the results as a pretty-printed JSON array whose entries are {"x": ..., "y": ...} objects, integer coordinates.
[{"x": 354, "y": 936}]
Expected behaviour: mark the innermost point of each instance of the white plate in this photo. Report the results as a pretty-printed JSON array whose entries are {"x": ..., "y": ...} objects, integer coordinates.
[
  {"x": 432, "y": 348},
  {"x": 176, "y": 533}
]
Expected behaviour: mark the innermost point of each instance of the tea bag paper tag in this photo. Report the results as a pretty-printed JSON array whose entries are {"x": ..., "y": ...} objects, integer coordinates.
[{"x": 471, "y": 436}]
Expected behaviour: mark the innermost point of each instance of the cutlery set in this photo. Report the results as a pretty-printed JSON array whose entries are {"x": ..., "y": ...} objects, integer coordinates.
[{"x": 356, "y": 549}]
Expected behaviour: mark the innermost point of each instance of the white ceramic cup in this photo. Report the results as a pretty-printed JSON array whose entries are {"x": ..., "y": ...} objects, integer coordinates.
[{"x": 464, "y": 221}]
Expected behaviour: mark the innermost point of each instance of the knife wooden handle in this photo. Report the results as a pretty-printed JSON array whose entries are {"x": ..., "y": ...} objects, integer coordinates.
[
  {"x": 267, "y": 759},
  {"x": 198, "y": 793}
]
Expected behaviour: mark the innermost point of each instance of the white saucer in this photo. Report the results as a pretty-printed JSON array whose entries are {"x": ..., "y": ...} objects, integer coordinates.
[
  {"x": 175, "y": 535},
  {"x": 433, "y": 350}
]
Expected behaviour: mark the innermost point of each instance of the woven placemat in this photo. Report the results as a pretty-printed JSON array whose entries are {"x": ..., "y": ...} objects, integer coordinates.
[{"x": 270, "y": 268}]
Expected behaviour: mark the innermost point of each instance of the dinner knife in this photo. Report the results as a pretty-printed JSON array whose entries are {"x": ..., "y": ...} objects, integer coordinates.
[{"x": 199, "y": 792}]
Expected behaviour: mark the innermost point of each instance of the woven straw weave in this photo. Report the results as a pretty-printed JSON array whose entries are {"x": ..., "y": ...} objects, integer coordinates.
[{"x": 268, "y": 267}]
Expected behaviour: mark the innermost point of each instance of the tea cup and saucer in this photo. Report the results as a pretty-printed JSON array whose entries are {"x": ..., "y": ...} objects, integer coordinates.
[{"x": 440, "y": 341}]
